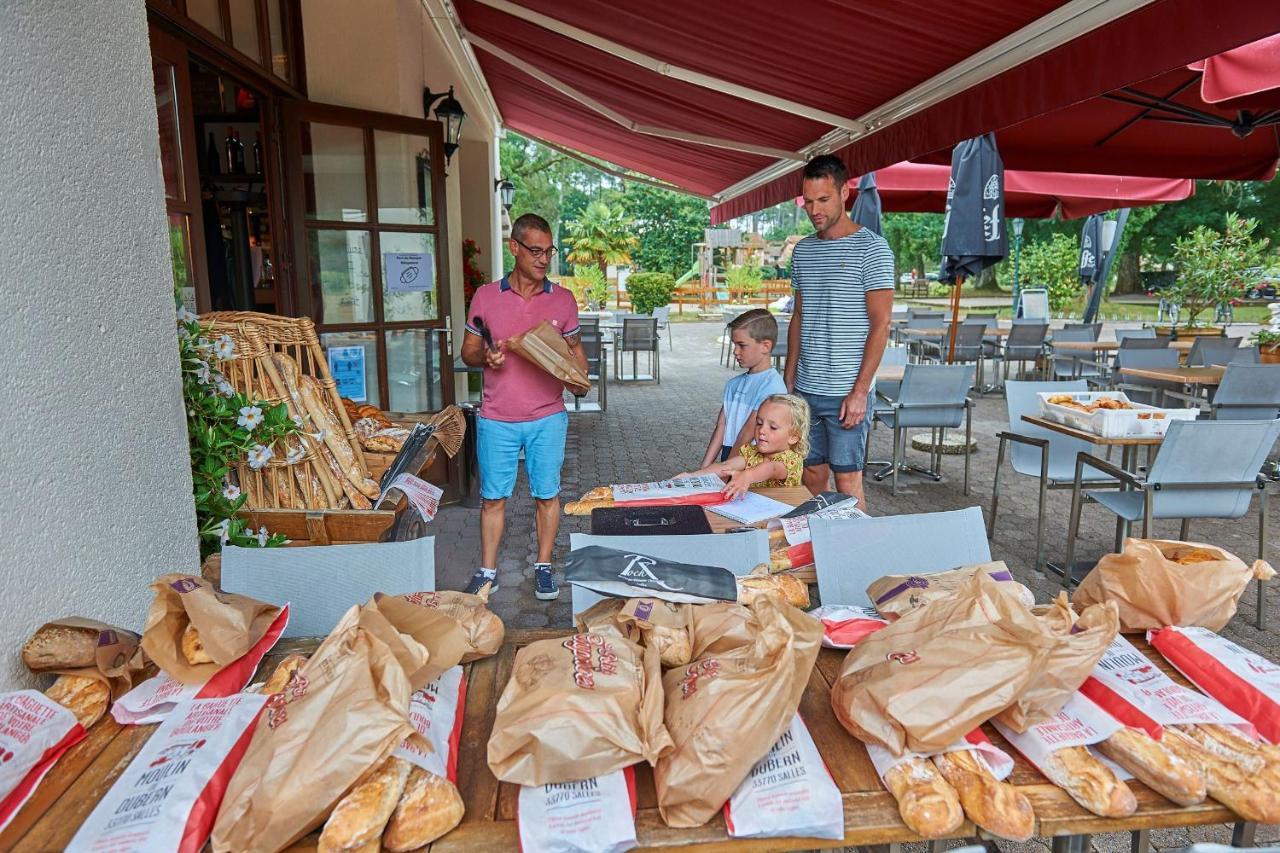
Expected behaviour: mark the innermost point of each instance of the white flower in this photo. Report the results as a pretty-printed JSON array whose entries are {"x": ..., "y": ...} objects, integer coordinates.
[
  {"x": 259, "y": 456},
  {"x": 297, "y": 419},
  {"x": 263, "y": 536},
  {"x": 231, "y": 491},
  {"x": 185, "y": 316},
  {"x": 183, "y": 334},
  {"x": 222, "y": 529},
  {"x": 295, "y": 455},
  {"x": 202, "y": 373},
  {"x": 224, "y": 387},
  {"x": 250, "y": 417},
  {"x": 203, "y": 345},
  {"x": 225, "y": 348}
]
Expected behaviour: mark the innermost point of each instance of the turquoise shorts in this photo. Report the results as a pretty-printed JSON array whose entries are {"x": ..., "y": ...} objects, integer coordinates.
[{"x": 498, "y": 446}]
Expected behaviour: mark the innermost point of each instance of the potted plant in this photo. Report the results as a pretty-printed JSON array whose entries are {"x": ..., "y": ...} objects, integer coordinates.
[
  {"x": 745, "y": 280},
  {"x": 650, "y": 290},
  {"x": 1268, "y": 342},
  {"x": 1213, "y": 268}
]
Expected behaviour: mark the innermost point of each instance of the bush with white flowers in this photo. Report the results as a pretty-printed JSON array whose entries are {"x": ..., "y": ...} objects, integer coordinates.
[{"x": 223, "y": 428}]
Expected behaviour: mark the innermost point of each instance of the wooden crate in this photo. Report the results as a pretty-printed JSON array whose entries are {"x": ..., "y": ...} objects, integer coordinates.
[{"x": 323, "y": 526}]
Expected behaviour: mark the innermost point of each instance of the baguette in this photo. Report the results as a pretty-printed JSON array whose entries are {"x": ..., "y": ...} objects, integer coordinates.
[
  {"x": 429, "y": 807},
  {"x": 1229, "y": 744},
  {"x": 993, "y": 805},
  {"x": 283, "y": 675},
  {"x": 357, "y": 498},
  {"x": 1249, "y": 796},
  {"x": 288, "y": 391},
  {"x": 1156, "y": 766},
  {"x": 1090, "y": 782},
  {"x": 760, "y": 582},
  {"x": 599, "y": 493},
  {"x": 360, "y": 816},
  {"x": 333, "y": 437},
  {"x": 87, "y": 698},
  {"x": 585, "y": 506},
  {"x": 61, "y": 647},
  {"x": 928, "y": 805},
  {"x": 192, "y": 648}
]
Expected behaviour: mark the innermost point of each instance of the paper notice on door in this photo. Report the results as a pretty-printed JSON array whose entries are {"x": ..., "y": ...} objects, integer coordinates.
[{"x": 409, "y": 272}]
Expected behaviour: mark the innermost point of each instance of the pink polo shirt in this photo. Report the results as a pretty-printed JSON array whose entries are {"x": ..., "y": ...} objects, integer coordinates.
[{"x": 519, "y": 390}]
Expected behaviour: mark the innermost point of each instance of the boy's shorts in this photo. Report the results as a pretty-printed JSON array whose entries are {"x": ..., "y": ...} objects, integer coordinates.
[
  {"x": 845, "y": 450},
  {"x": 498, "y": 446}
]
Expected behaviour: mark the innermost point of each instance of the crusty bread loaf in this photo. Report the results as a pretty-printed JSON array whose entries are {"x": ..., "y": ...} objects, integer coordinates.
[
  {"x": 761, "y": 582},
  {"x": 584, "y": 507},
  {"x": 1251, "y": 796},
  {"x": 1156, "y": 766},
  {"x": 928, "y": 804},
  {"x": 777, "y": 539},
  {"x": 993, "y": 805},
  {"x": 1228, "y": 743},
  {"x": 283, "y": 674},
  {"x": 192, "y": 648},
  {"x": 599, "y": 493},
  {"x": 779, "y": 560},
  {"x": 673, "y": 645},
  {"x": 361, "y": 815},
  {"x": 60, "y": 647},
  {"x": 429, "y": 807},
  {"x": 1090, "y": 782},
  {"x": 87, "y": 698}
]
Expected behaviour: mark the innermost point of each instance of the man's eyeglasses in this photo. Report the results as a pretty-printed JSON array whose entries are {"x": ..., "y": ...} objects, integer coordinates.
[{"x": 537, "y": 253}]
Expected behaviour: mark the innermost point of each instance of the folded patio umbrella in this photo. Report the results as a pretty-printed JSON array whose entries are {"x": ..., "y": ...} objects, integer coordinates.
[
  {"x": 973, "y": 234},
  {"x": 866, "y": 209},
  {"x": 1090, "y": 250}
]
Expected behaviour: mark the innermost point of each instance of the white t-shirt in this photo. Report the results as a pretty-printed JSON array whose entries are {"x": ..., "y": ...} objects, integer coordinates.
[{"x": 743, "y": 394}]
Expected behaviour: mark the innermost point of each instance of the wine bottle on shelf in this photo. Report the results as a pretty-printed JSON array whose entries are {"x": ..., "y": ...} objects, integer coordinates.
[
  {"x": 257, "y": 156},
  {"x": 239, "y": 153},
  {"x": 231, "y": 151},
  {"x": 212, "y": 161}
]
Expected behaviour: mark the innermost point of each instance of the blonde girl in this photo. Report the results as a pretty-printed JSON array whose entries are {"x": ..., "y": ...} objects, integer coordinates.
[{"x": 776, "y": 458}]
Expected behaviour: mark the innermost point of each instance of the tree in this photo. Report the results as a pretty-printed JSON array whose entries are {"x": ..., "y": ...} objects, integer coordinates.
[
  {"x": 916, "y": 240},
  {"x": 1055, "y": 264},
  {"x": 1212, "y": 265},
  {"x": 667, "y": 225},
  {"x": 601, "y": 235}
]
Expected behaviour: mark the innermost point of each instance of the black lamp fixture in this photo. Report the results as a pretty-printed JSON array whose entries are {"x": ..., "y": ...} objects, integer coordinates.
[
  {"x": 450, "y": 113},
  {"x": 506, "y": 192}
]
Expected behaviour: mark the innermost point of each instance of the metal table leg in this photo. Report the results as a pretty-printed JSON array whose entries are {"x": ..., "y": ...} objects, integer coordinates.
[
  {"x": 1242, "y": 833},
  {"x": 1140, "y": 841},
  {"x": 1071, "y": 844}
]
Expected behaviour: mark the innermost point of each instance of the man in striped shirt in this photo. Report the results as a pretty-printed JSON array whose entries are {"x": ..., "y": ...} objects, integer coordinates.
[{"x": 843, "y": 282}]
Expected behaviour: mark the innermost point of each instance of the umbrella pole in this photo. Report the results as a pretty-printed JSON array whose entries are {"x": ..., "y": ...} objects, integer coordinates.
[{"x": 955, "y": 319}]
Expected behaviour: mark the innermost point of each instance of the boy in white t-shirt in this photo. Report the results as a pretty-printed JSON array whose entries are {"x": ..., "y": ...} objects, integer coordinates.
[{"x": 754, "y": 335}]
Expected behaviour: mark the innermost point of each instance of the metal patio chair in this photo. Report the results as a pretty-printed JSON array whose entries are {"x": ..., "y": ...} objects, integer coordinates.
[
  {"x": 639, "y": 334},
  {"x": 597, "y": 368},
  {"x": 778, "y": 355},
  {"x": 1148, "y": 391},
  {"x": 1024, "y": 343},
  {"x": 1072, "y": 364},
  {"x": 1038, "y": 452},
  {"x": 935, "y": 396},
  {"x": 969, "y": 348},
  {"x": 1206, "y": 351},
  {"x": 1247, "y": 392},
  {"x": 1205, "y": 469},
  {"x": 663, "y": 316}
]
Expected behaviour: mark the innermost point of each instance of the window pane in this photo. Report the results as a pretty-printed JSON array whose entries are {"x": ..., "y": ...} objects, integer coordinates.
[
  {"x": 244, "y": 28},
  {"x": 275, "y": 28},
  {"x": 170, "y": 142},
  {"x": 180, "y": 257},
  {"x": 340, "y": 271},
  {"x": 413, "y": 371},
  {"x": 347, "y": 353},
  {"x": 333, "y": 172},
  {"x": 404, "y": 178},
  {"x": 409, "y": 276},
  {"x": 206, "y": 14}
]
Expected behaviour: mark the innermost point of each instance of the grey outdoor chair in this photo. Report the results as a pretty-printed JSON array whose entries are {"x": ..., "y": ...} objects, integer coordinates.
[
  {"x": 1024, "y": 343},
  {"x": 663, "y": 316},
  {"x": 597, "y": 368},
  {"x": 1207, "y": 351},
  {"x": 1094, "y": 329},
  {"x": 1146, "y": 391},
  {"x": 1144, "y": 333},
  {"x": 589, "y": 324},
  {"x": 1038, "y": 452},
  {"x": 1205, "y": 469},
  {"x": 935, "y": 396},
  {"x": 968, "y": 350},
  {"x": 639, "y": 334},
  {"x": 778, "y": 355},
  {"x": 1072, "y": 364},
  {"x": 1245, "y": 355},
  {"x": 1247, "y": 392},
  {"x": 919, "y": 322}
]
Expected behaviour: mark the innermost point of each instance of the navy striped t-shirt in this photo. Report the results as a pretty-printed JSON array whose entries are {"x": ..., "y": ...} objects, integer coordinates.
[{"x": 833, "y": 278}]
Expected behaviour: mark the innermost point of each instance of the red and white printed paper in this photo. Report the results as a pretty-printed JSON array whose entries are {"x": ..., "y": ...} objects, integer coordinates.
[
  {"x": 436, "y": 712},
  {"x": 592, "y": 816},
  {"x": 796, "y": 528},
  {"x": 168, "y": 796},
  {"x": 844, "y": 626},
  {"x": 699, "y": 489},
  {"x": 1130, "y": 687},
  {"x": 996, "y": 759},
  {"x": 1243, "y": 681},
  {"x": 789, "y": 792},
  {"x": 424, "y": 496},
  {"x": 34, "y": 733},
  {"x": 152, "y": 700},
  {"x": 1079, "y": 723}
]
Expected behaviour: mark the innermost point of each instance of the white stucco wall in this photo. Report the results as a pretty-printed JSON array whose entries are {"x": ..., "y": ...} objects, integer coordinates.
[{"x": 96, "y": 498}]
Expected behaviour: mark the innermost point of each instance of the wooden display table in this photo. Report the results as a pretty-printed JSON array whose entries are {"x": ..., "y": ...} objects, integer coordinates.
[{"x": 81, "y": 778}]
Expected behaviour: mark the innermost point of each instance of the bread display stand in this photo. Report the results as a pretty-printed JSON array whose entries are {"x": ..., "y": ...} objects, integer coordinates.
[{"x": 75, "y": 784}]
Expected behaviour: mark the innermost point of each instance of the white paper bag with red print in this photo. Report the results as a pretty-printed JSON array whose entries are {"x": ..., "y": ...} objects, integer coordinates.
[
  {"x": 169, "y": 794},
  {"x": 1130, "y": 687},
  {"x": 436, "y": 712},
  {"x": 843, "y": 625},
  {"x": 1245, "y": 682},
  {"x": 788, "y": 793},
  {"x": 996, "y": 759},
  {"x": 1079, "y": 723},
  {"x": 34, "y": 733},
  {"x": 152, "y": 700},
  {"x": 592, "y": 816}
]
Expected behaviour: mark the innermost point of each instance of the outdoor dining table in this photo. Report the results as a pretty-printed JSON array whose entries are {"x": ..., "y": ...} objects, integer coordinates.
[
  {"x": 1196, "y": 377},
  {"x": 86, "y": 772},
  {"x": 940, "y": 331},
  {"x": 1183, "y": 347}
]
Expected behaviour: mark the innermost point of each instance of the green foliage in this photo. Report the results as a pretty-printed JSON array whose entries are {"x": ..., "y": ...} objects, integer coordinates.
[
  {"x": 1212, "y": 265},
  {"x": 744, "y": 279},
  {"x": 224, "y": 427},
  {"x": 916, "y": 240},
  {"x": 589, "y": 285},
  {"x": 601, "y": 235},
  {"x": 649, "y": 290},
  {"x": 1055, "y": 264},
  {"x": 667, "y": 225},
  {"x": 1266, "y": 338}
]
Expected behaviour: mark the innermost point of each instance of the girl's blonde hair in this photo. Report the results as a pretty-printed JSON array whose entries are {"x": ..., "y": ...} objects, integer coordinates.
[{"x": 799, "y": 410}]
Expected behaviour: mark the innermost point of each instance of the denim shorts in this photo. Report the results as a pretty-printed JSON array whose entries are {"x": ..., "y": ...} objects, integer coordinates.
[
  {"x": 830, "y": 443},
  {"x": 498, "y": 446}
]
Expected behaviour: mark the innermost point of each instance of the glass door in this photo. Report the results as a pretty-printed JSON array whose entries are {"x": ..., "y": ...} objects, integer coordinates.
[{"x": 367, "y": 196}]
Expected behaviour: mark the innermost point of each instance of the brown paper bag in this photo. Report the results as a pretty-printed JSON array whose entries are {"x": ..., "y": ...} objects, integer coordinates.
[
  {"x": 544, "y": 346},
  {"x": 720, "y": 628},
  {"x": 343, "y": 713},
  {"x": 939, "y": 672},
  {"x": 602, "y": 618},
  {"x": 483, "y": 629},
  {"x": 441, "y": 635},
  {"x": 665, "y": 625},
  {"x": 93, "y": 649},
  {"x": 897, "y": 595},
  {"x": 1082, "y": 640},
  {"x": 726, "y": 711},
  {"x": 578, "y": 707},
  {"x": 1157, "y": 583},
  {"x": 229, "y": 625}
]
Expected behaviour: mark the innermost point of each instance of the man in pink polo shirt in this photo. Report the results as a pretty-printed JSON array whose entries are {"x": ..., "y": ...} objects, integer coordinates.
[{"x": 523, "y": 406}]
